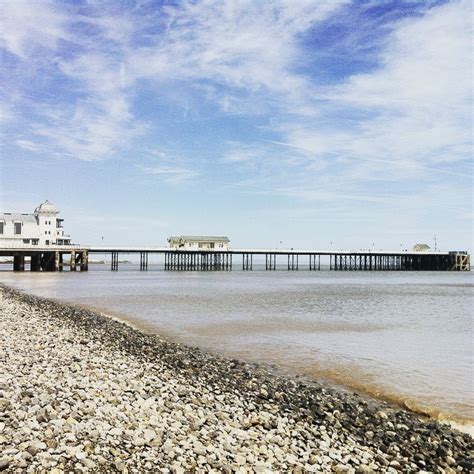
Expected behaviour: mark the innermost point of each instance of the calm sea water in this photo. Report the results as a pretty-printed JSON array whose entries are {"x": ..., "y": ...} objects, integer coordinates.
[{"x": 405, "y": 337}]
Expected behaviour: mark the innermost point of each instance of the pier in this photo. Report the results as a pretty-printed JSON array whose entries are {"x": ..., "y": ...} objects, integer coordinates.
[
  {"x": 47, "y": 259},
  {"x": 292, "y": 260},
  {"x": 74, "y": 258}
]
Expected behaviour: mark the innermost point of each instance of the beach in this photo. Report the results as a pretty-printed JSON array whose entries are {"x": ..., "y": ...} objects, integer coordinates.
[{"x": 83, "y": 392}]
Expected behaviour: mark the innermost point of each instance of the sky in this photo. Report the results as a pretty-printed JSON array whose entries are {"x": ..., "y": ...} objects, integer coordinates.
[{"x": 290, "y": 124}]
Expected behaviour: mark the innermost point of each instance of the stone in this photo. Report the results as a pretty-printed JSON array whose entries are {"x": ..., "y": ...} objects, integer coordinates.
[
  {"x": 240, "y": 460},
  {"x": 4, "y": 464},
  {"x": 108, "y": 404}
]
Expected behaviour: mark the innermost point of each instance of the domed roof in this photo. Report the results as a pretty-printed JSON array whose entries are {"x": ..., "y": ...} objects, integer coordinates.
[{"x": 46, "y": 208}]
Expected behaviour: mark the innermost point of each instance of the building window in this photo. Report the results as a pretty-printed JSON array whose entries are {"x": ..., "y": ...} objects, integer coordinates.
[
  {"x": 1, "y": 227},
  {"x": 47, "y": 242},
  {"x": 35, "y": 241},
  {"x": 26, "y": 241},
  {"x": 17, "y": 228}
]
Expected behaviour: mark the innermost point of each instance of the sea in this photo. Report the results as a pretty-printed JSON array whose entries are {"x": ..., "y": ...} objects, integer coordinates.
[{"x": 403, "y": 337}]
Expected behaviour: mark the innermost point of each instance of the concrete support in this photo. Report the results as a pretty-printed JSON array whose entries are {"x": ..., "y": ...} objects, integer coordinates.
[
  {"x": 73, "y": 261},
  {"x": 85, "y": 261},
  {"x": 35, "y": 265},
  {"x": 18, "y": 263},
  {"x": 48, "y": 262}
]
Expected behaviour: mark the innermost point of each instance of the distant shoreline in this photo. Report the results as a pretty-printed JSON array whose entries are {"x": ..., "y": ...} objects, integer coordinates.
[{"x": 82, "y": 355}]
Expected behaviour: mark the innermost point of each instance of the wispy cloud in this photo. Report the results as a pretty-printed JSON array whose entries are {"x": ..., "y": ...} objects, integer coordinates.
[
  {"x": 113, "y": 75},
  {"x": 29, "y": 145},
  {"x": 169, "y": 174},
  {"x": 414, "y": 109},
  {"x": 25, "y": 27}
]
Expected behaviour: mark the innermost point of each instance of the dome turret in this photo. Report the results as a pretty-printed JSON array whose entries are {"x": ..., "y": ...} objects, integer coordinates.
[{"x": 46, "y": 208}]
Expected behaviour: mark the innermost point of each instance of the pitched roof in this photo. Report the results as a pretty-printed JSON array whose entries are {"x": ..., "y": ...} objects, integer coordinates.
[
  {"x": 200, "y": 238},
  {"x": 421, "y": 247},
  {"x": 17, "y": 217}
]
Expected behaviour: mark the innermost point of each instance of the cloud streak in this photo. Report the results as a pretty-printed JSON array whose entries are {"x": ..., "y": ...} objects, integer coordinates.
[{"x": 405, "y": 119}]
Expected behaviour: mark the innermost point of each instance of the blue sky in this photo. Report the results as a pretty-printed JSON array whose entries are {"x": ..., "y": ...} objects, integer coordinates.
[{"x": 305, "y": 122}]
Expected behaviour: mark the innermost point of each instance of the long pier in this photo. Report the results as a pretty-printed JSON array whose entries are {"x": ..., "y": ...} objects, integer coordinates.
[
  {"x": 77, "y": 257},
  {"x": 212, "y": 260}
]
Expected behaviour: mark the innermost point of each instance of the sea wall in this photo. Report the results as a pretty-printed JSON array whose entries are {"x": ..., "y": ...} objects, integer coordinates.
[{"x": 81, "y": 392}]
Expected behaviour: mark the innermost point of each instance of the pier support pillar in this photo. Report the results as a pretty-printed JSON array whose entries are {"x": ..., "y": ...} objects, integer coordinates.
[
  {"x": 48, "y": 261},
  {"x": 85, "y": 261},
  {"x": 114, "y": 261},
  {"x": 18, "y": 263},
  {"x": 35, "y": 265},
  {"x": 143, "y": 261},
  {"x": 72, "y": 261}
]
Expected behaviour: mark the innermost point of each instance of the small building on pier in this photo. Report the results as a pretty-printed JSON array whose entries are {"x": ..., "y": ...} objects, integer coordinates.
[
  {"x": 198, "y": 242},
  {"x": 42, "y": 228},
  {"x": 421, "y": 248}
]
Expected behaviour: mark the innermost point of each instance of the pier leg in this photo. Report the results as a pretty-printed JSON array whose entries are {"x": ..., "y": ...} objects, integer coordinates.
[
  {"x": 35, "y": 265},
  {"x": 72, "y": 261},
  {"x": 18, "y": 263},
  {"x": 48, "y": 261},
  {"x": 85, "y": 261}
]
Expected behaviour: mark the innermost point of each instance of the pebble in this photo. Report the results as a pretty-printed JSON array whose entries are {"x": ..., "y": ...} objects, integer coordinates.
[{"x": 81, "y": 392}]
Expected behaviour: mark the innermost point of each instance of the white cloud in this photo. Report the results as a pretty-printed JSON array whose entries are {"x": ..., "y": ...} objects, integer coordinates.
[
  {"x": 26, "y": 25},
  {"x": 6, "y": 113},
  {"x": 170, "y": 174},
  {"x": 245, "y": 45},
  {"x": 29, "y": 145},
  {"x": 241, "y": 54},
  {"x": 414, "y": 110}
]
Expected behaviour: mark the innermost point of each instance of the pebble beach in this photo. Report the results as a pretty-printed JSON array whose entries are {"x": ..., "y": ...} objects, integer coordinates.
[{"x": 83, "y": 392}]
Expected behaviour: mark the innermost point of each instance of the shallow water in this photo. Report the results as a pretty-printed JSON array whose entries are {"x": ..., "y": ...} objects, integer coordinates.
[{"x": 403, "y": 336}]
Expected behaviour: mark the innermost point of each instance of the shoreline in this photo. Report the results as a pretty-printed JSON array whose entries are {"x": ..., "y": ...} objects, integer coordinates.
[
  {"x": 185, "y": 409},
  {"x": 321, "y": 377}
]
